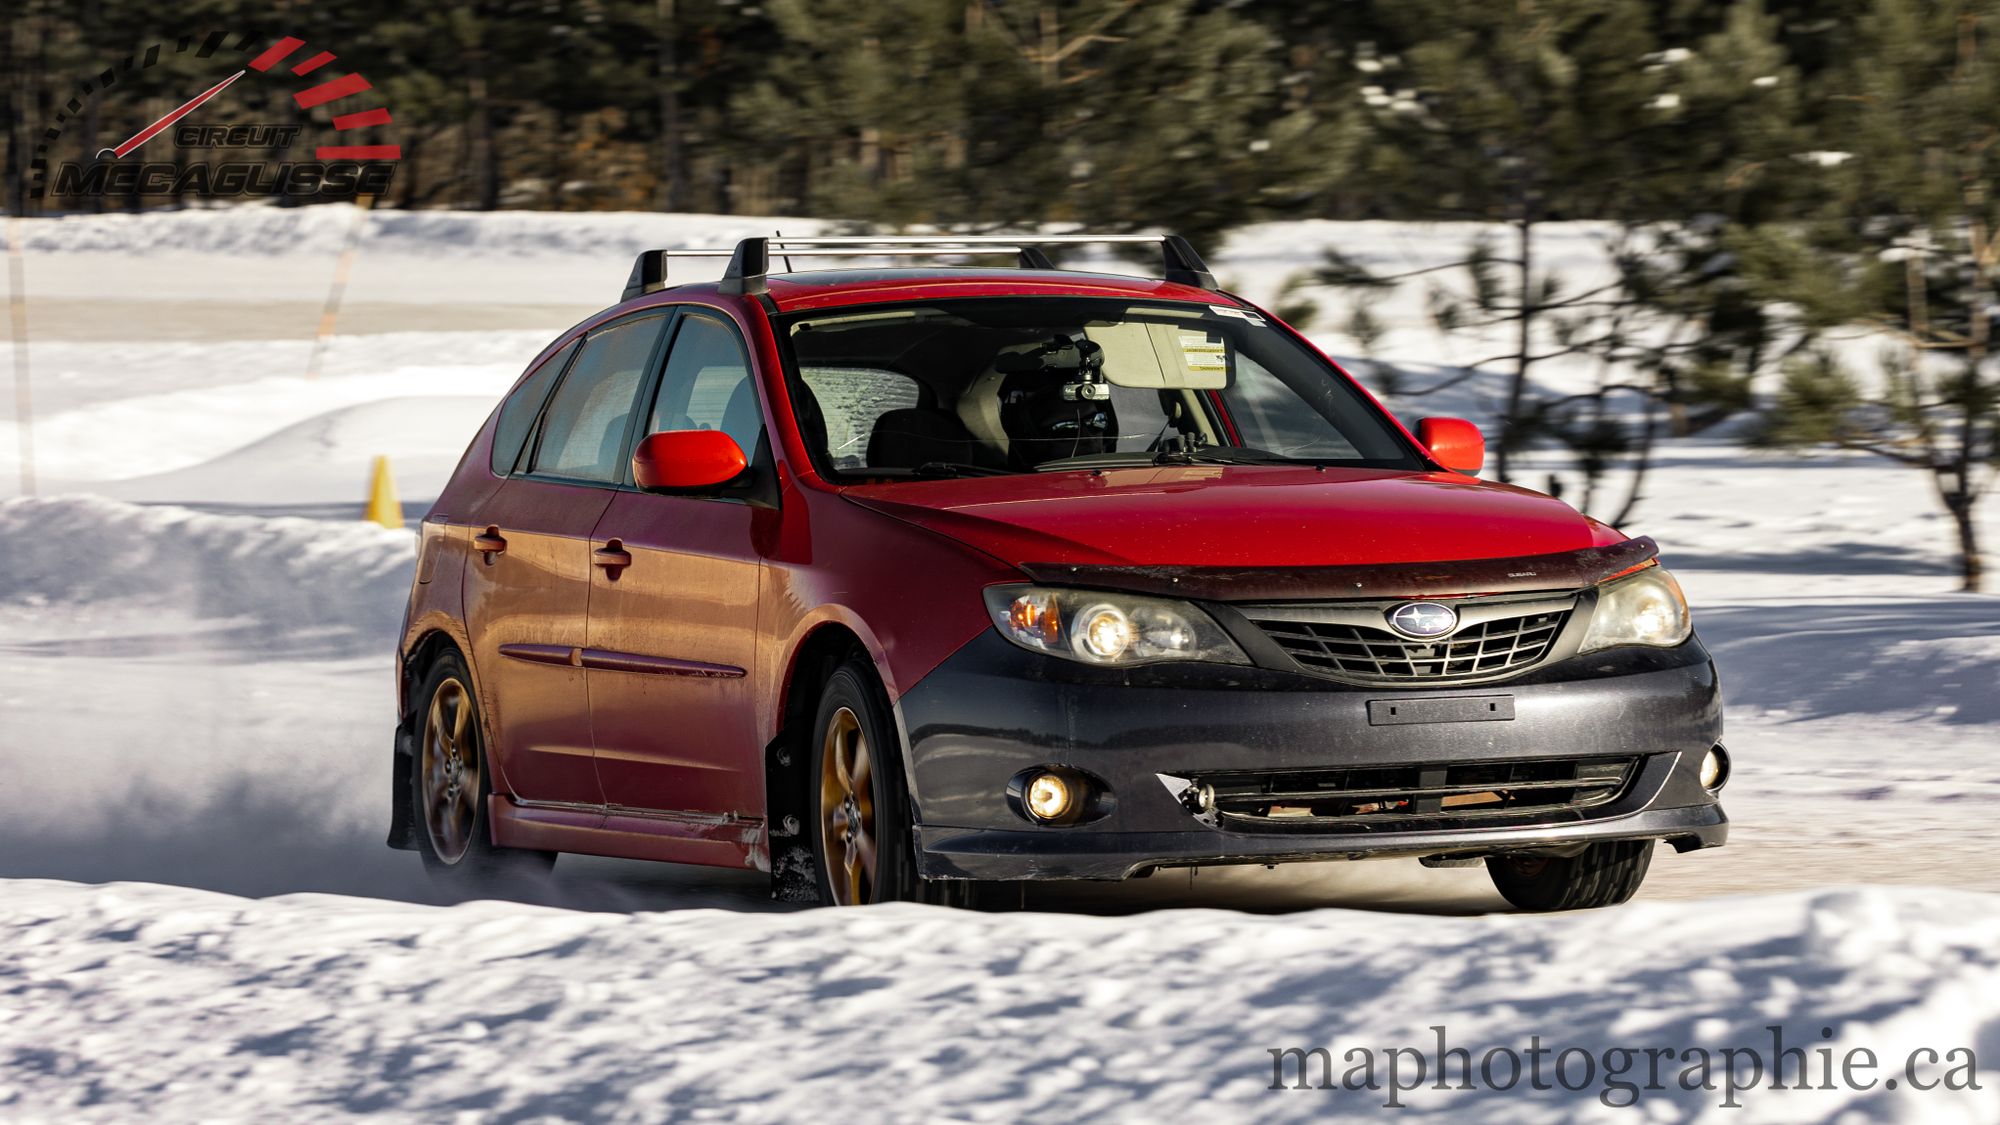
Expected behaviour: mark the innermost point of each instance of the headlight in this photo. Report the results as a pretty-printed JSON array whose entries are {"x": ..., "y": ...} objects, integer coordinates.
[
  {"x": 1647, "y": 608},
  {"x": 1099, "y": 628}
]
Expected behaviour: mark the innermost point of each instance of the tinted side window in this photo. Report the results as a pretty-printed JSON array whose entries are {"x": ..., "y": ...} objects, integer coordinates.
[
  {"x": 583, "y": 431},
  {"x": 517, "y": 415},
  {"x": 1267, "y": 412},
  {"x": 707, "y": 385}
]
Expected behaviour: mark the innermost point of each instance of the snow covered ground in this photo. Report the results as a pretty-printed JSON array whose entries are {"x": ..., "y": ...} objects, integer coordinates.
[{"x": 195, "y": 693}]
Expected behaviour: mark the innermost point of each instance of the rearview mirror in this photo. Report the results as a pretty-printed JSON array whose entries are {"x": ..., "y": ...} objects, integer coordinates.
[
  {"x": 1455, "y": 442},
  {"x": 680, "y": 460}
]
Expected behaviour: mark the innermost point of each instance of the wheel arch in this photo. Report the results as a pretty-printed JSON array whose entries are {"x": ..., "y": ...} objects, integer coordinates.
[{"x": 820, "y": 649}]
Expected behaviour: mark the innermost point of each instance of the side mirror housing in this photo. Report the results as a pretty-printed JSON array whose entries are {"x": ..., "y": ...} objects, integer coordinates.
[
  {"x": 684, "y": 460},
  {"x": 1455, "y": 442}
]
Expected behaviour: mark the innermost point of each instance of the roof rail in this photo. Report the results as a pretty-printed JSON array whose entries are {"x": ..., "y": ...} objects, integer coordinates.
[{"x": 750, "y": 260}]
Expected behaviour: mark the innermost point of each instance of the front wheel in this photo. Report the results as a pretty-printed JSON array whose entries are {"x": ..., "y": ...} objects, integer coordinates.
[
  {"x": 864, "y": 842},
  {"x": 451, "y": 781},
  {"x": 1600, "y": 875}
]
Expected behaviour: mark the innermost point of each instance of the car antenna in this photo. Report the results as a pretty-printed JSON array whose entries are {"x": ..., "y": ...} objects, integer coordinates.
[{"x": 787, "y": 257}]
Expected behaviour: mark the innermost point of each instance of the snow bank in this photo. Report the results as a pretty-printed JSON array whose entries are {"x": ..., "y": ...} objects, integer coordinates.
[
  {"x": 69, "y": 556},
  {"x": 327, "y": 459},
  {"x": 278, "y": 231},
  {"x": 134, "y": 1001}
]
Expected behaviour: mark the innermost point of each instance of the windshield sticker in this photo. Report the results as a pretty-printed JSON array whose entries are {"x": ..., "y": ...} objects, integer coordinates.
[{"x": 1242, "y": 314}]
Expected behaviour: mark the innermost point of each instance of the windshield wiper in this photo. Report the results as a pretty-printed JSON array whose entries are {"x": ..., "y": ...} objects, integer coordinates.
[
  {"x": 955, "y": 469},
  {"x": 1220, "y": 455}
]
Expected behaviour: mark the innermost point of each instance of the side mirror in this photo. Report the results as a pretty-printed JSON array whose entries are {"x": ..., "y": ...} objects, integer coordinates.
[
  {"x": 1454, "y": 441},
  {"x": 679, "y": 460}
]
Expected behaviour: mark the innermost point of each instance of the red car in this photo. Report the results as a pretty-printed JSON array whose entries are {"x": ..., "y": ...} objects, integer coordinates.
[{"x": 911, "y": 583}]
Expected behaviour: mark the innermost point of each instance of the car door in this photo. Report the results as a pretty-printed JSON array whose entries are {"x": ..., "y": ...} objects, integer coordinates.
[
  {"x": 527, "y": 584},
  {"x": 672, "y": 633}
]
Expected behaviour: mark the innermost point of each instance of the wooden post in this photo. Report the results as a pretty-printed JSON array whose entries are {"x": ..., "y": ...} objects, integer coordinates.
[
  {"x": 331, "y": 313},
  {"x": 17, "y": 309}
]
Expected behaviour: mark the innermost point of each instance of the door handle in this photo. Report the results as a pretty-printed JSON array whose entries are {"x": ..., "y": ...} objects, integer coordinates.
[
  {"x": 613, "y": 557},
  {"x": 489, "y": 543}
]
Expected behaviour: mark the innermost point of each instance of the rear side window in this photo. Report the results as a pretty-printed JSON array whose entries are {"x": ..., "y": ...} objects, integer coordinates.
[
  {"x": 517, "y": 415},
  {"x": 707, "y": 385},
  {"x": 583, "y": 430}
]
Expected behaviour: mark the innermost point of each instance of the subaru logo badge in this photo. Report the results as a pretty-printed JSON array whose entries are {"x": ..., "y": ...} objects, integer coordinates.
[{"x": 1423, "y": 619}]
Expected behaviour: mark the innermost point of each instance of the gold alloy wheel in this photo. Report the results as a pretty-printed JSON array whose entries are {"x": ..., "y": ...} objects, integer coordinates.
[
  {"x": 847, "y": 810},
  {"x": 450, "y": 771}
]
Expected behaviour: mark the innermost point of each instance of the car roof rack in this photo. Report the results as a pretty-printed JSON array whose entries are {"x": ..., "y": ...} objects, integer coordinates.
[{"x": 750, "y": 260}]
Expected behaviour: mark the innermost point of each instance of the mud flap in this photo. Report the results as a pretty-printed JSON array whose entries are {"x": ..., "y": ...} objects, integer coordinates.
[
  {"x": 793, "y": 877},
  {"x": 402, "y": 820}
]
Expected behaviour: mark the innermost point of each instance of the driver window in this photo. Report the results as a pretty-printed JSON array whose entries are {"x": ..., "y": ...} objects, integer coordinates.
[{"x": 707, "y": 385}]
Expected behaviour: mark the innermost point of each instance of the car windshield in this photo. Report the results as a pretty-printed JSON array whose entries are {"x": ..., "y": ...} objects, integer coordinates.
[{"x": 1036, "y": 384}]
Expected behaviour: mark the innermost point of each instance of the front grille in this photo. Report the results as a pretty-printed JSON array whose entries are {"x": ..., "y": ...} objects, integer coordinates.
[
  {"x": 1485, "y": 649},
  {"x": 1408, "y": 798}
]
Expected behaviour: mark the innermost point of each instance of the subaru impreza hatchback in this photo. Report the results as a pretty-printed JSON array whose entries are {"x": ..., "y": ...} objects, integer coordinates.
[{"x": 913, "y": 583}]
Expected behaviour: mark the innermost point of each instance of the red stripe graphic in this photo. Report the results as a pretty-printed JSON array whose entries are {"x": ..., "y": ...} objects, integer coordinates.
[
  {"x": 328, "y": 91},
  {"x": 154, "y": 130},
  {"x": 364, "y": 118},
  {"x": 314, "y": 63},
  {"x": 358, "y": 152},
  {"x": 276, "y": 53}
]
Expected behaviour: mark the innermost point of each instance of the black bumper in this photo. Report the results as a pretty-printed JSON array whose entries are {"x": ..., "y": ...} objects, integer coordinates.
[{"x": 993, "y": 711}]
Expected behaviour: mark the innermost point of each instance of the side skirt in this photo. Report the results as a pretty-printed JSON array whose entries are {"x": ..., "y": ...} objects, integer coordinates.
[{"x": 621, "y": 833}]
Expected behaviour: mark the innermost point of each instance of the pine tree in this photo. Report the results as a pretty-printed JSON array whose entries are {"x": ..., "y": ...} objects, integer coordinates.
[
  {"x": 1910, "y": 239},
  {"x": 1546, "y": 110},
  {"x": 1110, "y": 113}
]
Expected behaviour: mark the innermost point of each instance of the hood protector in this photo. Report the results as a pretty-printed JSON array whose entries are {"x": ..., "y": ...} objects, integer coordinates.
[{"x": 1563, "y": 570}]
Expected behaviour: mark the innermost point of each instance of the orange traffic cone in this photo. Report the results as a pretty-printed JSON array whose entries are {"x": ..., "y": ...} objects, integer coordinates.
[{"x": 383, "y": 507}]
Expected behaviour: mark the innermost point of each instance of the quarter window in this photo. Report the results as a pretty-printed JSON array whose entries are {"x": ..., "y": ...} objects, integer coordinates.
[
  {"x": 583, "y": 431},
  {"x": 517, "y": 415}
]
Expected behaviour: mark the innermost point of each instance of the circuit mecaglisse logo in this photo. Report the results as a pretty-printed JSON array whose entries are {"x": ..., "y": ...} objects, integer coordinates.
[{"x": 362, "y": 164}]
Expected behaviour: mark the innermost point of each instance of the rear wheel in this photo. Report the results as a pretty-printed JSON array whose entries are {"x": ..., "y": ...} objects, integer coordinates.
[
  {"x": 1601, "y": 875},
  {"x": 451, "y": 782},
  {"x": 864, "y": 843}
]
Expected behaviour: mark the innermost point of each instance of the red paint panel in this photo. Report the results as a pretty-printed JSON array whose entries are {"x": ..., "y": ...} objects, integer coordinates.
[
  {"x": 327, "y": 91},
  {"x": 376, "y": 116},
  {"x": 314, "y": 63},
  {"x": 276, "y": 53},
  {"x": 1239, "y": 516},
  {"x": 358, "y": 152}
]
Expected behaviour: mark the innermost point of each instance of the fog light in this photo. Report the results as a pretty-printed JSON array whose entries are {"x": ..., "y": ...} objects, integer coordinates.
[
  {"x": 1715, "y": 768},
  {"x": 1049, "y": 797}
]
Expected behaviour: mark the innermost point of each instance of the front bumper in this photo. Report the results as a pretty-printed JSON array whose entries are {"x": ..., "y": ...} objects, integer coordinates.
[{"x": 993, "y": 711}]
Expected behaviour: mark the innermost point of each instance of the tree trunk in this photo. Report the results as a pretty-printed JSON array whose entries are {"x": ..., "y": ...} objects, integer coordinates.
[
  {"x": 16, "y": 170},
  {"x": 1647, "y": 433},
  {"x": 1972, "y": 566},
  {"x": 479, "y": 129},
  {"x": 672, "y": 193},
  {"x": 1958, "y": 499},
  {"x": 1511, "y": 420},
  {"x": 89, "y": 126}
]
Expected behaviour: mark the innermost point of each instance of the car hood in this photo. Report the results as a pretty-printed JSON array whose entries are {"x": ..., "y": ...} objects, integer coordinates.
[{"x": 1238, "y": 516}]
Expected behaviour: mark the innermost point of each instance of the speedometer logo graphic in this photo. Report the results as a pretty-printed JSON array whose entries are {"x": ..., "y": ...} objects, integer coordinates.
[{"x": 353, "y": 153}]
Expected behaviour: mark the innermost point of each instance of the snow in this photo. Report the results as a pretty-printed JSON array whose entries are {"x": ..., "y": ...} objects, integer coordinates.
[
  {"x": 198, "y": 919},
  {"x": 320, "y": 1006}
]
